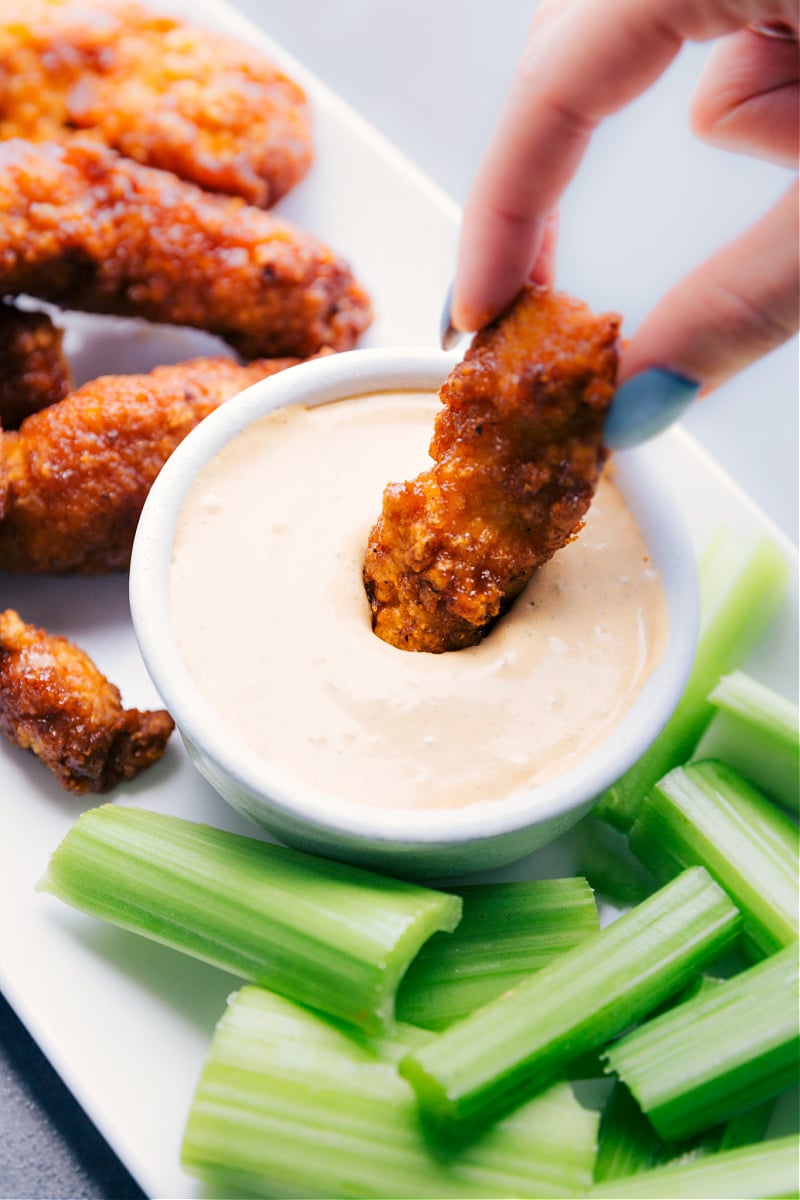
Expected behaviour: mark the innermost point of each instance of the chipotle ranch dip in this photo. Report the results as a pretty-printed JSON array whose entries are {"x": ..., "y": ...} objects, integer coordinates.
[{"x": 273, "y": 622}]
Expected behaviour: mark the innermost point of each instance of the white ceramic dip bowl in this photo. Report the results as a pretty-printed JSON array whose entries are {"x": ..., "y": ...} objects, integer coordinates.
[{"x": 433, "y": 842}]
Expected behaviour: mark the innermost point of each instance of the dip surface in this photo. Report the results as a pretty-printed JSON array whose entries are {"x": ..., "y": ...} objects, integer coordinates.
[{"x": 273, "y": 622}]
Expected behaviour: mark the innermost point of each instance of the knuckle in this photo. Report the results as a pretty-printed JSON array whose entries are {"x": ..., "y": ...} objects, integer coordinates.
[{"x": 757, "y": 323}]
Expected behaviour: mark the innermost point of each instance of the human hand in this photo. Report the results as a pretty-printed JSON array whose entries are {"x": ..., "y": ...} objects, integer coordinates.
[{"x": 584, "y": 60}]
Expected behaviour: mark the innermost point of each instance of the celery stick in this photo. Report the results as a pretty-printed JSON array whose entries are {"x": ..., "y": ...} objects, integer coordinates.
[
  {"x": 730, "y": 1048},
  {"x": 289, "y": 1104},
  {"x": 751, "y": 1173},
  {"x": 628, "y": 1143},
  {"x": 506, "y": 1051},
  {"x": 604, "y": 857},
  {"x": 706, "y": 814},
  {"x": 507, "y": 931},
  {"x": 746, "y": 1128},
  {"x": 740, "y": 590},
  {"x": 332, "y": 936},
  {"x": 757, "y": 731}
]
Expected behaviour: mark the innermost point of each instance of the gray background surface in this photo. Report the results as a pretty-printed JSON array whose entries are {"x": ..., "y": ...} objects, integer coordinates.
[{"x": 430, "y": 75}]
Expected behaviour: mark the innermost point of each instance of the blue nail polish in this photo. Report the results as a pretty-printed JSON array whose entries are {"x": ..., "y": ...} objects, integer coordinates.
[
  {"x": 646, "y": 404},
  {"x": 449, "y": 336}
]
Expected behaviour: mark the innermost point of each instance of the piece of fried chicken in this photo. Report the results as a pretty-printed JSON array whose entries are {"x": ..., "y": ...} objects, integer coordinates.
[
  {"x": 89, "y": 229},
  {"x": 56, "y": 703},
  {"x": 78, "y": 472},
  {"x": 517, "y": 450},
  {"x": 33, "y": 369},
  {"x": 212, "y": 110}
]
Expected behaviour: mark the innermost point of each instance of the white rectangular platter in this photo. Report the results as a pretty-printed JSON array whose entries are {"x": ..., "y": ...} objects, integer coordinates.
[{"x": 125, "y": 1022}]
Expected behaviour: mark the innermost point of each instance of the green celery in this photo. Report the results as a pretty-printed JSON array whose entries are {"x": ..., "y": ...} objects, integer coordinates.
[
  {"x": 519, "y": 1043},
  {"x": 746, "y": 1128},
  {"x": 604, "y": 857},
  {"x": 706, "y": 814},
  {"x": 332, "y": 936},
  {"x": 730, "y": 1048},
  {"x": 740, "y": 590},
  {"x": 289, "y": 1104},
  {"x": 750, "y": 1173},
  {"x": 757, "y": 731},
  {"x": 507, "y": 931},
  {"x": 628, "y": 1143}
]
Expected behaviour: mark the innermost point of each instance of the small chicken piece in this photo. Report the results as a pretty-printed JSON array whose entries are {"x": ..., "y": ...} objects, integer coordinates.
[
  {"x": 210, "y": 109},
  {"x": 517, "y": 451},
  {"x": 33, "y": 369},
  {"x": 88, "y": 229},
  {"x": 78, "y": 472},
  {"x": 56, "y": 703}
]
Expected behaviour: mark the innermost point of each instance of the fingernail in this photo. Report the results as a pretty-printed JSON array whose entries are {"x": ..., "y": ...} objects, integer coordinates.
[
  {"x": 449, "y": 336},
  {"x": 645, "y": 405}
]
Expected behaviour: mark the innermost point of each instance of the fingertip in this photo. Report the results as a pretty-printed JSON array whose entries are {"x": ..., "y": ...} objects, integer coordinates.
[{"x": 646, "y": 404}]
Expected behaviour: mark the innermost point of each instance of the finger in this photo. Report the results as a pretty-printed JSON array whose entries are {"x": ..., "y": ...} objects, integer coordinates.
[
  {"x": 747, "y": 97},
  {"x": 586, "y": 61},
  {"x": 737, "y": 306}
]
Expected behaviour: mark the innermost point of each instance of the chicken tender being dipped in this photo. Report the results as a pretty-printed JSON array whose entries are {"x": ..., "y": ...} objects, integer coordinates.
[
  {"x": 77, "y": 473},
  {"x": 57, "y": 704},
  {"x": 33, "y": 369},
  {"x": 517, "y": 449},
  {"x": 87, "y": 229},
  {"x": 191, "y": 101}
]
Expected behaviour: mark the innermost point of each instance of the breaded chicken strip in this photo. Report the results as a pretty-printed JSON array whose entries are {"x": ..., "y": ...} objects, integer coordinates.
[
  {"x": 78, "y": 472},
  {"x": 33, "y": 369},
  {"x": 208, "y": 108},
  {"x": 517, "y": 450},
  {"x": 55, "y": 702},
  {"x": 88, "y": 229}
]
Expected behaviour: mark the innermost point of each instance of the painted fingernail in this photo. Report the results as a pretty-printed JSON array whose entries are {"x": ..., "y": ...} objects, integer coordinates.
[
  {"x": 645, "y": 405},
  {"x": 449, "y": 336}
]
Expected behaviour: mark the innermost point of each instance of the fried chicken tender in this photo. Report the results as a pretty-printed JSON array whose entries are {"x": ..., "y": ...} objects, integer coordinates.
[
  {"x": 33, "y": 369},
  {"x": 56, "y": 703},
  {"x": 88, "y": 229},
  {"x": 517, "y": 450},
  {"x": 78, "y": 472},
  {"x": 208, "y": 108}
]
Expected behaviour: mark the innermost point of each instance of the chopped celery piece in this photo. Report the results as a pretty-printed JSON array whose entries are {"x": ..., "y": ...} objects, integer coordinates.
[
  {"x": 506, "y": 1051},
  {"x": 746, "y": 1127},
  {"x": 751, "y": 1173},
  {"x": 757, "y": 731},
  {"x": 332, "y": 936},
  {"x": 507, "y": 931},
  {"x": 289, "y": 1104},
  {"x": 730, "y": 1048},
  {"x": 740, "y": 590},
  {"x": 604, "y": 857},
  {"x": 628, "y": 1143},
  {"x": 706, "y": 814}
]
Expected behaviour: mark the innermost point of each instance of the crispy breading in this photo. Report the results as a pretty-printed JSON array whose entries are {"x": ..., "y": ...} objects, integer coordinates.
[
  {"x": 55, "y": 702},
  {"x": 78, "y": 472},
  {"x": 517, "y": 450},
  {"x": 212, "y": 110},
  {"x": 89, "y": 229},
  {"x": 33, "y": 369}
]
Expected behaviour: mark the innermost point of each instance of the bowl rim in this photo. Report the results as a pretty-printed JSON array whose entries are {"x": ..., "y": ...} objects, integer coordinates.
[{"x": 338, "y": 376}]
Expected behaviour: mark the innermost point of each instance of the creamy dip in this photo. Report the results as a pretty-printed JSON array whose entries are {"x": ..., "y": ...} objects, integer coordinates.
[{"x": 273, "y": 622}]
